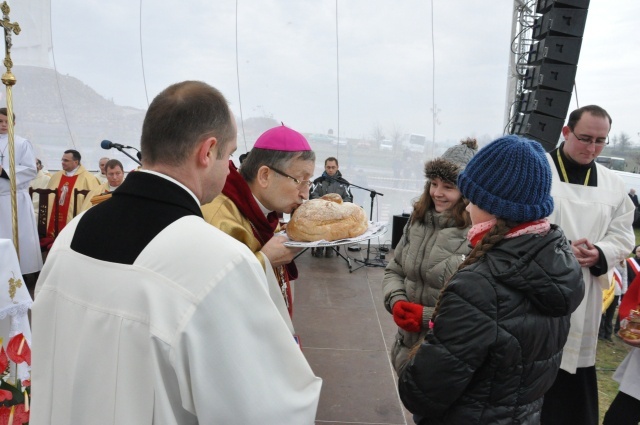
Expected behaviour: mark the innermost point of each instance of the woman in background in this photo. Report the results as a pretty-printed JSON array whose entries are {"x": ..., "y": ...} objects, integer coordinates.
[{"x": 432, "y": 246}]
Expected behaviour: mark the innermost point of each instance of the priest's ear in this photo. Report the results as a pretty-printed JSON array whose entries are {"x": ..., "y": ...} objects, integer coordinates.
[{"x": 207, "y": 150}]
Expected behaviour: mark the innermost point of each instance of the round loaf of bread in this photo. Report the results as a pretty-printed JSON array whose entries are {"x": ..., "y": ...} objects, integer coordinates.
[{"x": 327, "y": 218}]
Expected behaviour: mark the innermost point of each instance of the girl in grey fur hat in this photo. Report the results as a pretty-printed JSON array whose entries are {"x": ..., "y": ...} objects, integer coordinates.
[{"x": 433, "y": 244}]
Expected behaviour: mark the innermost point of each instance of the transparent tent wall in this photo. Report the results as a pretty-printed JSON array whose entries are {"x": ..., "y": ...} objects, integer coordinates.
[{"x": 346, "y": 77}]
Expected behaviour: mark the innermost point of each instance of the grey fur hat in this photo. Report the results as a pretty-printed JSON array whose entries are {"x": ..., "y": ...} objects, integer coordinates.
[{"x": 452, "y": 162}]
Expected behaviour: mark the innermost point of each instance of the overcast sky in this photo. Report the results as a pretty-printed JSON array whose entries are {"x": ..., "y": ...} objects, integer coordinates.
[{"x": 290, "y": 59}]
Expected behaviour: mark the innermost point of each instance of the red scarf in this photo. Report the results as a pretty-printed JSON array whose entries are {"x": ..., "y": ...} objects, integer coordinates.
[
  {"x": 477, "y": 232},
  {"x": 263, "y": 227}
]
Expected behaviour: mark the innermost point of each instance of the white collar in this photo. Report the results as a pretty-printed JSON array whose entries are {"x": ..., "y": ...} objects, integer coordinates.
[
  {"x": 72, "y": 172},
  {"x": 171, "y": 179},
  {"x": 262, "y": 207}
]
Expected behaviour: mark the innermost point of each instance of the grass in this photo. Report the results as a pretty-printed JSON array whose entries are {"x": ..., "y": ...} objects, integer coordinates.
[{"x": 609, "y": 356}]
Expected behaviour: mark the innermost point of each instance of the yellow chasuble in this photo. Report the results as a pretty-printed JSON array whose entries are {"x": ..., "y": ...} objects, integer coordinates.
[
  {"x": 88, "y": 201},
  {"x": 225, "y": 215}
]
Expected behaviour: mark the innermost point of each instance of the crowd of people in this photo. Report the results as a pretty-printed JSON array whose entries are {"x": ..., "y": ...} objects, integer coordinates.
[{"x": 496, "y": 285}]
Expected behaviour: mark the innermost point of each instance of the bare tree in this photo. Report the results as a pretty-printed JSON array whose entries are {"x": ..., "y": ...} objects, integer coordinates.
[
  {"x": 614, "y": 141},
  {"x": 624, "y": 142},
  {"x": 396, "y": 137},
  {"x": 377, "y": 133}
]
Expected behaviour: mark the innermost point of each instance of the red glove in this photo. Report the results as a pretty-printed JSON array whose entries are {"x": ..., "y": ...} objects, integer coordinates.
[{"x": 408, "y": 316}]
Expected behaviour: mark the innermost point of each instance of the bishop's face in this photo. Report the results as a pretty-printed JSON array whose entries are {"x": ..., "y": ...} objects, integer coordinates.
[{"x": 284, "y": 194}]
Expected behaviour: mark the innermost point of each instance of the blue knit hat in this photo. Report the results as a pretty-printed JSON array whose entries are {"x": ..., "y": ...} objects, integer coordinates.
[{"x": 509, "y": 178}]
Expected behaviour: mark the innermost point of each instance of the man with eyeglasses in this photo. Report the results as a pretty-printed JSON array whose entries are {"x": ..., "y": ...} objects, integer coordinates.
[
  {"x": 274, "y": 178},
  {"x": 593, "y": 209}
]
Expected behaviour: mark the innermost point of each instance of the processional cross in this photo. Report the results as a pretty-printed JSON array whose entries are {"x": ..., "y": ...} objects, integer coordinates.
[{"x": 9, "y": 80}]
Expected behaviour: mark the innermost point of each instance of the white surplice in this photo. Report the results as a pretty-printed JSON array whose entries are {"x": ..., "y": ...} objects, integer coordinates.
[
  {"x": 190, "y": 337},
  {"x": 603, "y": 214},
  {"x": 628, "y": 374},
  {"x": 25, "y": 161},
  {"x": 15, "y": 302}
]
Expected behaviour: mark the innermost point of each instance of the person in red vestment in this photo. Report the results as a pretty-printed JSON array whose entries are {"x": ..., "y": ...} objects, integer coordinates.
[{"x": 72, "y": 176}]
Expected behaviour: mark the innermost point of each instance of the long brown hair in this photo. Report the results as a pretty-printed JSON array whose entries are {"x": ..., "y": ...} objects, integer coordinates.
[{"x": 458, "y": 212}]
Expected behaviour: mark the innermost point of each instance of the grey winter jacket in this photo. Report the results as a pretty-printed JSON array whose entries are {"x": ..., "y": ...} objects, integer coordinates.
[
  {"x": 325, "y": 184},
  {"x": 424, "y": 260},
  {"x": 497, "y": 342}
]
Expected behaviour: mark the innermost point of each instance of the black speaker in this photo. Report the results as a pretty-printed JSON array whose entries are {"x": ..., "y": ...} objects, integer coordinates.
[
  {"x": 558, "y": 21},
  {"x": 542, "y": 128},
  {"x": 549, "y": 102},
  {"x": 398, "y": 223},
  {"x": 556, "y": 49},
  {"x": 550, "y": 76},
  {"x": 543, "y": 5}
]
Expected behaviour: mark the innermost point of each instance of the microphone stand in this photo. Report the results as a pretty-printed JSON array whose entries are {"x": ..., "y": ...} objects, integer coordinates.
[
  {"x": 126, "y": 153},
  {"x": 366, "y": 262}
]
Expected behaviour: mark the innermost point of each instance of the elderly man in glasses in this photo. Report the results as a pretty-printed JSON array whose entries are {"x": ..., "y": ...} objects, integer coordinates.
[
  {"x": 593, "y": 209},
  {"x": 274, "y": 178}
]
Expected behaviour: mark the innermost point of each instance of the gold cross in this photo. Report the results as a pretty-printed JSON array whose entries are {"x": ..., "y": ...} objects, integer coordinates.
[
  {"x": 8, "y": 28},
  {"x": 9, "y": 80}
]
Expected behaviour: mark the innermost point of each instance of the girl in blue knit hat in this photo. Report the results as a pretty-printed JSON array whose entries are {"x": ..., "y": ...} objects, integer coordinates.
[{"x": 498, "y": 329}]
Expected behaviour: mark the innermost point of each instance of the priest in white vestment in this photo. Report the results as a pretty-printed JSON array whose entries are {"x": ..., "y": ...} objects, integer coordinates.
[
  {"x": 25, "y": 163},
  {"x": 595, "y": 213},
  {"x": 176, "y": 325}
]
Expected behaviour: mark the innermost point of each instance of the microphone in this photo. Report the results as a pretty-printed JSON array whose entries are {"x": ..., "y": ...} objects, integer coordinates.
[
  {"x": 107, "y": 144},
  {"x": 337, "y": 179}
]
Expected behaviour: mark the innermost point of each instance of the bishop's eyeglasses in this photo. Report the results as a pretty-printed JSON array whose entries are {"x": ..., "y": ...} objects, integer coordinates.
[{"x": 307, "y": 183}]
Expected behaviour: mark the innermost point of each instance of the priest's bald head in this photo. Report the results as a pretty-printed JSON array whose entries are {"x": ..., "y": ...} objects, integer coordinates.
[{"x": 189, "y": 134}]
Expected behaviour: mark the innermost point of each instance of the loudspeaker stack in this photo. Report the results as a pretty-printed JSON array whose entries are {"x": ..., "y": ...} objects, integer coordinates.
[{"x": 549, "y": 79}]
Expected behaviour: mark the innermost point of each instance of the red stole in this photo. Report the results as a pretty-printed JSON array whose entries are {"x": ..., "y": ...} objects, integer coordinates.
[
  {"x": 65, "y": 189},
  {"x": 263, "y": 227}
]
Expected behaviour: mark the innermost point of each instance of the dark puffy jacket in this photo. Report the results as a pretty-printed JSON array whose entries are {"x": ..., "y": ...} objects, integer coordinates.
[
  {"x": 497, "y": 342},
  {"x": 326, "y": 184}
]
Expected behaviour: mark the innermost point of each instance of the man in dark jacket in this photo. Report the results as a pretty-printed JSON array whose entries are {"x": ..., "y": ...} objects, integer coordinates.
[{"x": 330, "y": 181}]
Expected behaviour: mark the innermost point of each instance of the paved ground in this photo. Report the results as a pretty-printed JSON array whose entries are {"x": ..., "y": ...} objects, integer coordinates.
[{"x": 345, "y": 333}]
